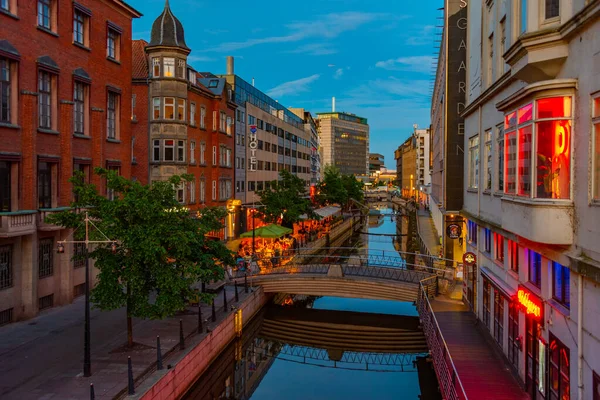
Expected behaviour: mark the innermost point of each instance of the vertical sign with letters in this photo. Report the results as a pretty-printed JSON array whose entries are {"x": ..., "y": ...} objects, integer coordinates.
[{"x": 252, "y": 145}]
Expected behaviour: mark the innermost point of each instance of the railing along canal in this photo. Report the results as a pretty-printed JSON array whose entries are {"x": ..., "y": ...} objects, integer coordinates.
[{"x": 450, "y": 385}]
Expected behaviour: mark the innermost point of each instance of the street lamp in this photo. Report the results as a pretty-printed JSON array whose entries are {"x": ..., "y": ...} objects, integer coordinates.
[{"x": 87, "y": 363}]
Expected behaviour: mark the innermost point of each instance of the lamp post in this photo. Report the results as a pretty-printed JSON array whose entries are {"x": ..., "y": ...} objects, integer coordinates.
[{"x": 87, "y": 363}]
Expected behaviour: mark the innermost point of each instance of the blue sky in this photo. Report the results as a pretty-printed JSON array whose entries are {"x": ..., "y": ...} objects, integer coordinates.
[{"x": 373, "y": 56}]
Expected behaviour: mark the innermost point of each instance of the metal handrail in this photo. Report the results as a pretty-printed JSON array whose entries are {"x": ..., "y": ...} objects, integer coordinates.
[
  {"x": 448, "y": 378},
  {"x": 435, "y": 258}
]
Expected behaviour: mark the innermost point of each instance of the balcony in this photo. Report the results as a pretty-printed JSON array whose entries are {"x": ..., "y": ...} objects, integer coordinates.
[
  {"x": 44, "y": 212},
  {"x": 17, "y": 223},
  {"x": 549, "y": 222}
]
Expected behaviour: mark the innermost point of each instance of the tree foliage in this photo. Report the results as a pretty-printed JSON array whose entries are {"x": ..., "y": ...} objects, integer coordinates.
[
  {"x": 162, "y": 249},
  {"x": 336, "y": 188},
  {"x": 287, "y": 197}
]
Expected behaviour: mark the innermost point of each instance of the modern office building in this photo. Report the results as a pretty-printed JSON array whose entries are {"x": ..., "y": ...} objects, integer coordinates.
[
  {"x": 447, "y": 128},
  {"x": 184, "y": 121},
  {"x": 531, "y": 193},
  {"x": 65, "y": 107},
  {"x": 310, "y": 126},
  {"x": 376, "y": 163},
  {"x": 344, "y": 142}
]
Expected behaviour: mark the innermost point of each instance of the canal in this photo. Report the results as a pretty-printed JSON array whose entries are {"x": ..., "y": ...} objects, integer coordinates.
[{"x": 302, "y": 347}]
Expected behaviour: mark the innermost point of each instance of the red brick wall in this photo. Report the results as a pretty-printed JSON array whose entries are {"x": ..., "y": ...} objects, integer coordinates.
[
  {"x": 139, "y": 130},
  {"x": 32, "y": 43}
]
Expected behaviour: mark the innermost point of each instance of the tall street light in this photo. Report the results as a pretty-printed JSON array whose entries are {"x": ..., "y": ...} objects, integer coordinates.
[{"x": 87, "y": 362}]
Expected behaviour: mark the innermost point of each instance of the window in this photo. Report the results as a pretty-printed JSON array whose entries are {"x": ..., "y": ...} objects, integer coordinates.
[
  {"x": 524, "y": 161},
  {"x": 79, "y": 99},
  {"x": 78, "y": 21},
  {"x": 169, "y": 108},
  {"x": 503, "y": 45},
  {"x": 513, "y": 254},
  {"x": 113, "y": 42},
  {"x": 6, "y": 267},
  {"x": 560, "y": 365},
  {"x": 5, "y": 186},
  {"x": 112, "y": 115},
  {"x": 214, "y": 190},
  {"x": 202, "y": 191},
  {"x": 193, "y": 191},
  {"x": 499, "y": 247},
  {"x": 169, "y": 150},
  {"x": 45, "y": 97},
  {"x": 45, "y": 265},
  {"x": 490, "y": 61},
  {"x": 46, "y": 302},
  {"x": 487, "y": 159},
  {"x": 181, "y": 150},
  {"x": 156, "y": 150},
  {"x": 181, "y": 69},
  {"x": 180, "y": 193},
  {"x": 192, "y": 151},
  {"x": 44, "y": 185},
  {"x": 487, "y": 239},
  {"x": 552, "y": 8},
  {"x": 251, "y": 120},
  {"x": 474, "y": 162},
  {"x": 498, "y": 317},
  {"x": 5, "y": 90},
  {"x": 155, "y": 67},
  {"x": 472, "y": 231},
  {"x": 202, "y": 153},
  {"x": 4, "y": 5},
  {"x": 251, "y": 186},
  {"x": 202, "y": 117},
  {"x": 193, "y": 114},
  {"x": 115, "y": 169},
  {"x": 523, "y": 16},
  {"x": 223, "y": 122},
  {"x": 486, "y": 302},
  {"x": 561, "y": 280},
  {"x": 500, "y": 152},
  {"x": 78, "y": 290},
  {"x": 181, "y": 109},
  {"x": 156, "y": 108},
  {"x": 535, "y": 267},
  {"x": 44, "y": 13},
  {"x": 192, "y": 76},
  {"x": 214, "y": 155},
  {"x": 84, "y": 171},
  {"x": 596, "y": 148},
  {"x": 513, "y": 334},
  {"x": 169, "y": 67},
  {"x": 229, "y": 126}
]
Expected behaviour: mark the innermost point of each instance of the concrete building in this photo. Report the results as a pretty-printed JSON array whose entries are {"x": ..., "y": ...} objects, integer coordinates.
[
  {"x": 376, "y": 163},
  {"x": 423, "y": 180},
  {"x": 310, "y": 126},
  {"x": 532, "y": 137},
  {"x": 65, "y": 107},
  {"x": 408, "y": 177},
  {"x": 184, "y": 120},
  {"x": 344, "y": 142},
  {"x": 447, "y": 128}
]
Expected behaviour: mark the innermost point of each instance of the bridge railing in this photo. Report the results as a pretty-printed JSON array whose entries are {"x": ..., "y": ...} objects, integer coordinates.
[{"x": 448, "y": 379}]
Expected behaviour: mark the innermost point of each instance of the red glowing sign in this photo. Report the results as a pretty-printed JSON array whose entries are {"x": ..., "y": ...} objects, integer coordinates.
[{"x": 530, "y": 303}]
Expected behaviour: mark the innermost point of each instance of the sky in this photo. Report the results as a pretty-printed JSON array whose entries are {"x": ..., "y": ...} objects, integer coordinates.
[{"x": 373, "y": 56}]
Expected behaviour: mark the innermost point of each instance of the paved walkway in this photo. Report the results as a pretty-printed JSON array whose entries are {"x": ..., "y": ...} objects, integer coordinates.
[
  {"x": 42, "y": 358},
  {"x": 482, "y": 371},
  {"x": 428, "y": 233}
]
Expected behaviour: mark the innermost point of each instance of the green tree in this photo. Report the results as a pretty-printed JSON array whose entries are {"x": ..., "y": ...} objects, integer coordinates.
[
  {"x": 287, "y": 197},
  {"x": 162, "y": 249},
  {"x": 331, "y": 188},
  {"x": 354, "y": 188}
]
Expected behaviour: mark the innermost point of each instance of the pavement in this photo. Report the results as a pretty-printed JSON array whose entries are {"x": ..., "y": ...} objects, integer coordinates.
[
  {"x": 428, "y": 233},
  {"x": 42, "y": 358}
]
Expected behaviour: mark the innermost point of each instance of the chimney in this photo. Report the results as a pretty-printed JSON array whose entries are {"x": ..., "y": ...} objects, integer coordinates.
[
  {"x": 333, "y": 104},
  {"x": 252, "y": 81},
  {"x": 229, "y": 65}
]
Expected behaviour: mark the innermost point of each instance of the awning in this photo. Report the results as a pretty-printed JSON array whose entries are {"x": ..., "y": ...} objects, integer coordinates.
[
  {"x": 272, "y": 231},
  {"x": 324, "y": 212},
  {"x": 504, "y": 287}
]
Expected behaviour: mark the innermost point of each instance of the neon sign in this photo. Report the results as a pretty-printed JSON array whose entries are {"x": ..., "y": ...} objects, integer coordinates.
[{"x": 531, "y": 305}]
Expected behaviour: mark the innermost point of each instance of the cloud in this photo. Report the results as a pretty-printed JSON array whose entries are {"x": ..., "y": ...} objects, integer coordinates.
[
  {"x": 413, "y": 63},
  {"x": 314, "y": 49},
  {"x": 327, "y": 26},
  {"x": 421, "y": 36},
  {"x": 215, "y": 31},
  {"x": 338, "y": 73},
  {"x": 192, "y": 59},
  {"x": 293, "y": 87},
  {"x": 331, "y": 65}
]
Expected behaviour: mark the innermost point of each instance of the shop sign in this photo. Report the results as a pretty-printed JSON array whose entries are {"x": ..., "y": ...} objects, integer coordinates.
[
  {"x": 469, "y": 258},
  {"x": 453, "y": 231},
  {"x": 530, "y": 303},
  {"x": 253, "y": 146}
]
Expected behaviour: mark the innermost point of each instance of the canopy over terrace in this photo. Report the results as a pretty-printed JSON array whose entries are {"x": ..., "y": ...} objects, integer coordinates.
[
  {"x": 271, "y": 231},
  {"x": 324, "y": 212}
]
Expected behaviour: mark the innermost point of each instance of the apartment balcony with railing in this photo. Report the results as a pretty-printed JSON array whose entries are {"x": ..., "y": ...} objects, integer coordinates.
[{"x": 18, "y": 223}]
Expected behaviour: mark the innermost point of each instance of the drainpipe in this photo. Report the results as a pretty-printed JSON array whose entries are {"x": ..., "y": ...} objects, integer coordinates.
[{"x": 580, "y": 338}]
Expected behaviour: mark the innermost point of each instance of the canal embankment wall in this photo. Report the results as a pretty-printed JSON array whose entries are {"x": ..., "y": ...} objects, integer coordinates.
[{"x": 174, "y": 382}]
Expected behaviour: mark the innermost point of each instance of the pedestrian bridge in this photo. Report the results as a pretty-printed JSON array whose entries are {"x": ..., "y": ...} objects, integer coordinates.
[{"x": 366, "y": 277}]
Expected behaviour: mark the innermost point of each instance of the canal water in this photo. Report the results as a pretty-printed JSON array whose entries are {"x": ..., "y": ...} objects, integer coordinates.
[{"x": 281, "y": 354}]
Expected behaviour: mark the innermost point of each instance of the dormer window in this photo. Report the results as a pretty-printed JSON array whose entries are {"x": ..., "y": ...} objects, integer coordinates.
[
  {"x": 156, "y": 67},
  {"x": 169, "y": 67},
  {"x": 181, "y": 69},
  {"x": 213, "y": 83}
]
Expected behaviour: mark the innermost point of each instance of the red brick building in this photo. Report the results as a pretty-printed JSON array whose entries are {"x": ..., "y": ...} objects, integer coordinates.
[
  {"x": 183, "y": 119},
  {"x": 65, "y": 105}
]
